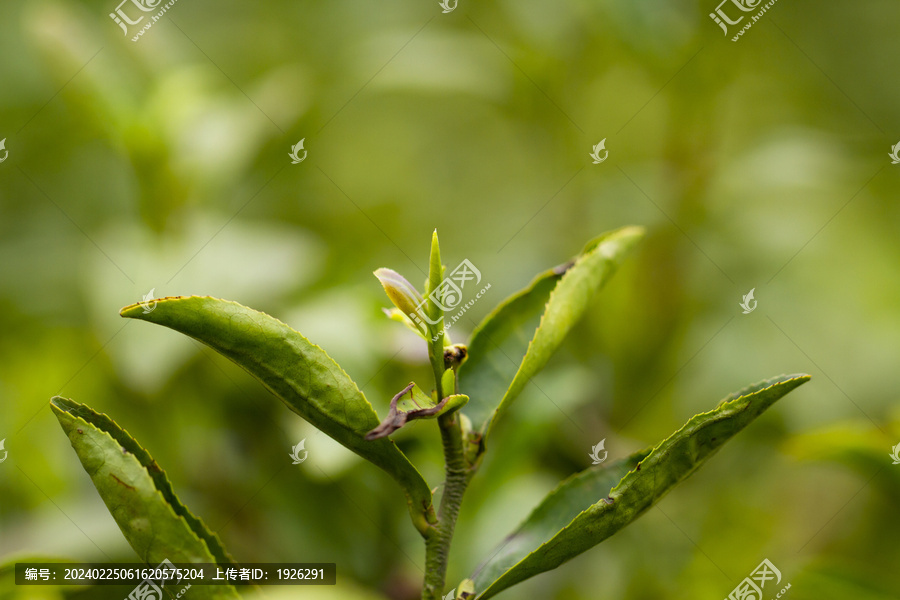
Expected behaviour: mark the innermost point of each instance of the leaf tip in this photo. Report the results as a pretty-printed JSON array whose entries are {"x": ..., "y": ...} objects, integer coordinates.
[
  {"x": 59, "y": 404},
  {"x": 435, "y": 249},
  {"x": 797, "y": 379},
  {"x": 126, "y": 311},
  {"x": 631, "y": 234}
]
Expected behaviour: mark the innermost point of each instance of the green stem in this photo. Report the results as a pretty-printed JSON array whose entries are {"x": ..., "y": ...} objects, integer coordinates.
[
  {"x": 437, "y": 546},
  {"x": 437, "y": 540}
]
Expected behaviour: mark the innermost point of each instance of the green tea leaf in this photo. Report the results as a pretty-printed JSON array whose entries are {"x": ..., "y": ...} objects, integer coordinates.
[
  {"x": 586, "y": 509},
  {"x": 499, "y": 343},
  {"x": 300, "y": 373},
  {"x": 516, "y": 340},
  {"x": 555, "y": 511},
  {"x": 139, "y": 496}
]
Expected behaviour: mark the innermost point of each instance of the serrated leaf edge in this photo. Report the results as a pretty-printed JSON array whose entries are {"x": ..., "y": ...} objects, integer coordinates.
[
  {"x": 595, "y": 245},
  {"x": 157, "y": 475},
  {"x": 421, "y": 493},
  {"x": 137, "y": 305},
  {"x": 756, "y": 388}
]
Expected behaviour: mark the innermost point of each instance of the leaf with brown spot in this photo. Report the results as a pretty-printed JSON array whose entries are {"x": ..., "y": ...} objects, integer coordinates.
[{"x": 139, "y": 496}]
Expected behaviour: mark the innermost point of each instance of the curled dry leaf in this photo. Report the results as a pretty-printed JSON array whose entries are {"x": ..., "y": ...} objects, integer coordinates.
[{"x": 419, "y": 405}]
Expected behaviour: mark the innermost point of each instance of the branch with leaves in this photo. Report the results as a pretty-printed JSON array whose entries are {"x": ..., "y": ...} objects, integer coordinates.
[{"x": 473, "y": 387}]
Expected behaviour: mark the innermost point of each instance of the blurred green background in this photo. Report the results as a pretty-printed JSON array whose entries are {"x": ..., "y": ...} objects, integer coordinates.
[{"x": 163, "y": 165}]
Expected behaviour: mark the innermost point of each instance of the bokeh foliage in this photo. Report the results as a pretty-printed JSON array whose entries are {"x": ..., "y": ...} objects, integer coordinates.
[{"x": 163, "y": 164}]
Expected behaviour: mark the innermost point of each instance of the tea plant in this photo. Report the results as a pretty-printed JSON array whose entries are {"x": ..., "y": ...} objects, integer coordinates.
[{"x": 473, "y": 387}]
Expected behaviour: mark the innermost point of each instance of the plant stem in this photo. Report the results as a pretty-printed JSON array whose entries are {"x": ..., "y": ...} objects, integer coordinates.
[{"x": 437, "y": 546}]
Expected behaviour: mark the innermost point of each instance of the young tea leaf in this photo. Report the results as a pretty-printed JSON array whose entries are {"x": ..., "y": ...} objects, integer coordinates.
[
  {"x": 438, "y": 338},
  {"x": 405, "y": 297},
  {"x": 585, "y": 509}
]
